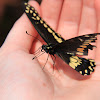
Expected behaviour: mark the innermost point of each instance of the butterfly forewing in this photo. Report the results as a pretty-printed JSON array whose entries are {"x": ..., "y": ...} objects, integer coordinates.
[
  {"x": 45, "y": 31},
  {"x": 78, "y": 45}
]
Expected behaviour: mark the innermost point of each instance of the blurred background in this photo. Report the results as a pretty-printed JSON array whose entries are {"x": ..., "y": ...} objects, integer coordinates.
[{"x": 10, "y": 11}]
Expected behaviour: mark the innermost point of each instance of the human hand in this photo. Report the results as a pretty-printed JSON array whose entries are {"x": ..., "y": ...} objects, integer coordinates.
[{"x": 23, "y": 79}]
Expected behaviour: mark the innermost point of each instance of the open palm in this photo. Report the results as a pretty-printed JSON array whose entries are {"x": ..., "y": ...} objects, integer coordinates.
[{"x": 24, "y": 79}]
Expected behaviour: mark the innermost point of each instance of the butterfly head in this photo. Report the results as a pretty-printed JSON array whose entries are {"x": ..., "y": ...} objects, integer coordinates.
[{"x": 48, "y": 49}]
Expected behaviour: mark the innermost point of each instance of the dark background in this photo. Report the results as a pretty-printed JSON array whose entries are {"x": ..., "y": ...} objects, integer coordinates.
[{"x": 10, "y": 11}]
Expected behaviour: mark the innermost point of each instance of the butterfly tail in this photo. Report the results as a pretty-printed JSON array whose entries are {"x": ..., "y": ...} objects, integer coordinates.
[{"x": 82, "y": 65}]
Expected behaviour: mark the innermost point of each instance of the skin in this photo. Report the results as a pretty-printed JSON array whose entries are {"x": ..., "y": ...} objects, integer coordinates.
[{"x": 24, "y": 79}]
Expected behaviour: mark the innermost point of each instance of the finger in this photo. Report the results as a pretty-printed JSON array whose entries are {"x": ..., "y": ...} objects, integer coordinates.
[
  {"x": 70, "y": 17},
  {"x": 17, "y": 37},
  {"x": 88, "y": 18},
  {"x": 88, "y": 22},
  {"x": 50, "y": 11},
  {"x": 97, "y": 5}
]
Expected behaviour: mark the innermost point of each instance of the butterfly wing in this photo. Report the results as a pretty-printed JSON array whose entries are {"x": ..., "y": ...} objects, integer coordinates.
[
  {"x": 81, "y": 65},
  {"x": 78, "y": 45},
  {"x": 45, "y": 31},
  {"x": 64, "y": 48}
]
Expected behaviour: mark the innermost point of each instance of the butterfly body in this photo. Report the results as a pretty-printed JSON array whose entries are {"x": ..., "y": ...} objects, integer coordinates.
[{"x": 67, "y": 50}]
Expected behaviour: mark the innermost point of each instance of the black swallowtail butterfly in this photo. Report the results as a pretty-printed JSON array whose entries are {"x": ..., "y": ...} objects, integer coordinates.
[{"x": 67, "y": 50}]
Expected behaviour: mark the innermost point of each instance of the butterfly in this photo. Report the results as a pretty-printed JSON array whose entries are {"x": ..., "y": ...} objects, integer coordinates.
[{"x": 67, "y": 50}]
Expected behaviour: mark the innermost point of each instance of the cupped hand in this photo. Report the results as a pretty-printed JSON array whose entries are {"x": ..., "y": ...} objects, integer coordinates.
[{"x": 22, "y": 78}]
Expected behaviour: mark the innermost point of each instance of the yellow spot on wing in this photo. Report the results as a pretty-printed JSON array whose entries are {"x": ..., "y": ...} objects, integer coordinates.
[
  {"x": 28, "y": 5},
  {"x": 86, "y": 71},
  {"x": 80, "y": 39},
  {"x": 90, "y": 68},
  {"x": 70, "y": 64},
  {"x": 88, "y": 41},
  {"x": 91, "y": 64},
  {"x": 75, "y": 57},
  {"x": 27, "y": 8},
  {"x": 75, "y": 64},
  {"x": 80, "y": 72},
  {"x": 87, "y": 36},
  {"x": 73, "y": 60},
  {"x": 53, "y": 33},
  {"x": 91, "y": 60},
  {"x": 33, "y": 18},
  {"x": 41, "y": 21},
  {"x": 32, "y": 8},
  {"x": 27, "y": 11},
  {"x": 93, "y": 38},
  {"x": 58, "y": 39},
  {"x": 34, "y": 14},
  {"x": 48, "y": 47},
  {"x": 59, "y": 35},
  {"x": 49, "y": 30},
  {"x": 38, "y": 18},
  {"x": 70, "y": 53},
  {"x": 79, "y": 53},
  {"x": 80, "y": 49},
  {"x": 85, "y": 74},
  {"x": 45, "y": 25},
  {"x": 83, "y": 46},
  {"x": 35, "y": 11},
  {"x": 31, "y": 11},
  {"x": 25, "y": 3}
]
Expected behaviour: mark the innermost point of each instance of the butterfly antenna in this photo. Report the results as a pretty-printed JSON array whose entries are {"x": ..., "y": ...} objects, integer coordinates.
[
  {"x": 33, "y": 36},
  {"x": 46, "y": 61}
]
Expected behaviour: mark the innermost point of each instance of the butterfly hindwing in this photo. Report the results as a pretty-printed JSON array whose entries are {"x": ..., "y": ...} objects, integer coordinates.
[{"x": 81, "y": 65}]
